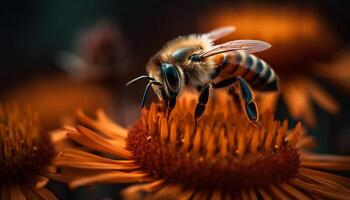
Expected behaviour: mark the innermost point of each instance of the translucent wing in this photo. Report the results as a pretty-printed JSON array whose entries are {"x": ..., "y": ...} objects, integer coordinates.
[
  {"x": 249, "y": 46},
  {"x": 220, "y": 32}
]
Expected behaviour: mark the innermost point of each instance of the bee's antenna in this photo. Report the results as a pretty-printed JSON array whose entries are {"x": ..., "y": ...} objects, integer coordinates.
[
  {"x": 139, "y": 78},
  {"x": 145, "y": 94}
]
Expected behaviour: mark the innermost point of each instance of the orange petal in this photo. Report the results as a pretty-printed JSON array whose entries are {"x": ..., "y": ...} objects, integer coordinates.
[
  {"x": 327, "y": 162},
  {"x": 83, "y": 160},
  {"x": 298, "y": 102},
  {"x": 46, "y": 194},
  {"x": 137, "y": 191},
  {"x": 339, "y": 179},
  {"x": 265, "y": 195},
  {"x": 42, "y": 181},
  {"x": 320, "y": 190},
  {"x": 58, "y": 135},
  {"x": 306, "y": 143},
  {"x": 321, "y": 97},
  {"x": 30, "y": 193},
  {"x": 279, "y": 193},
  {"x": 110, "y": 177},
  {"x": 8, "y": 192},
  {"x": 103, "y": 125},
  {"x": 96, "y": 142},
  {"x": 294, "y": 192},
  {"x": 312, "y": 178},
  {"x": 110, "y": 125},
  {"x": 338, "y": 72}
]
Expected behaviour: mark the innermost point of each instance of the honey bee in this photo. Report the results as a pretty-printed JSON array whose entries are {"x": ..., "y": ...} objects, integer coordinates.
[{"x": 195, "y": 61}]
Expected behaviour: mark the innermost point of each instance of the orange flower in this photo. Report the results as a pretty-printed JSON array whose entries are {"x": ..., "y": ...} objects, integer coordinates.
[
  {"x": 299, "y": 40},
  {"x": 223, "y": 156},
  {"x": 339, "y": 74},
  {"x": 25, "y": 155},
  {"x": 56, "y": 102}
]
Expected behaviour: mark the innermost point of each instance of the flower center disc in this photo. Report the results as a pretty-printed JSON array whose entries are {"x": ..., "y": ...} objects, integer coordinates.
[
  {"x": 224, "y": 151},
  {"x": 24, "y": 150}
]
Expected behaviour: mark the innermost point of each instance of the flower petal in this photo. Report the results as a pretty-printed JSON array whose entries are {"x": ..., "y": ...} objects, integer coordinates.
[
  {"x": 110, "y": 125},
  {"x": 16, "y": 193},
  {"x": 279, "y": 193},
  {"x": 265, "y": 195},
  {"x": 319, "y": 180},
  {"x": 84, "y": 160},
  {"x": 42, "y": 181},
  {"x": 138, "y": 191},
  {"x": 96, "y": 142},
  {"x": 339, "y": 179},
  {"x": 31, "y": 193},
  {"x": 103, "y": 125},
  {"x": 321, "y": 97},
  {"x": 46, "y": 194},
  {"x": 327, "y": 162},
  {"x": 294, "y": 192},
  {"x": 171, "y": 192},
  {"x": 320, "y": 190},
  {"x": 10, "y": 192},
  {"x": 110, "y": 177},
  {"x": 298, "y": 102}
]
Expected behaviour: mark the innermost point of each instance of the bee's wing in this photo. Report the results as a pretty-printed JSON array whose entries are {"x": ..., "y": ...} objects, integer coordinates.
[
  {"x": 249, "y": 46},
  {"x": 218, "y": 33}
]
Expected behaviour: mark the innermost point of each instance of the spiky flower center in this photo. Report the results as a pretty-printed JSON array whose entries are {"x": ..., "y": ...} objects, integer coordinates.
[
  {"x": 224, "y": 151},
  {"x": 24, "y": 150}
]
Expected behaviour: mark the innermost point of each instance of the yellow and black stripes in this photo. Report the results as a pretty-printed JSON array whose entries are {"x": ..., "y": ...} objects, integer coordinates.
[{"x": 252, "y": 69}]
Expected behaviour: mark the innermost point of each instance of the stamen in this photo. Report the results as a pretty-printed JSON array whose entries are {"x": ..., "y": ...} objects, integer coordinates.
[{"x": 224, "y": 148}]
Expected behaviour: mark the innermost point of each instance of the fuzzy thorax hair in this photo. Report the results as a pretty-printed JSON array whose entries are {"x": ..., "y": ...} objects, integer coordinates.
[{"x": 191, "y": 73}]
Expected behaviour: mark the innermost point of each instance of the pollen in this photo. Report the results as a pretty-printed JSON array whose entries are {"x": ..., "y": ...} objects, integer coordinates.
[
  {"x": 222, "y": 151},
  {"x": 24, "y": 149}
]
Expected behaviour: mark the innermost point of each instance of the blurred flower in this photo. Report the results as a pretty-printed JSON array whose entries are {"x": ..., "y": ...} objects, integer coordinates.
[
  {"x": 56, "y": 97},
  {"x": 100, "y": 53},
  {"x": 25, "y": 155},
  {"x": 299, "y": 38},
  {"x": 224, "y": 156},
  {"x": 338, "y": 72}
]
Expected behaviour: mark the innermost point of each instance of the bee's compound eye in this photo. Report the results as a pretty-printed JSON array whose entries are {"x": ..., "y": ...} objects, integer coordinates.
[
  {"x": 171, "y": 77},
  {"x": 195, "y": 58}
]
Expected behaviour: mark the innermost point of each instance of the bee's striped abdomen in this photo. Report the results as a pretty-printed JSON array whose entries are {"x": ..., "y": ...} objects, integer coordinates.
[{"x": 254, "y": 70}]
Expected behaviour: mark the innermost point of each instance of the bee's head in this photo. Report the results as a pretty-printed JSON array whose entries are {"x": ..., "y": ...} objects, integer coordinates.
[
  {"x": 168, "y": 67},
  {"x": 171, "y": 80},
  {"x": 166, "y": 78}
]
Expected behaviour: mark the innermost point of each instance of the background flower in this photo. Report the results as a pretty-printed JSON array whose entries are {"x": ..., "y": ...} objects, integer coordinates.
[
  {"x": 26, "y": 153},
  {"x": 100, "y": 53},
  {"x": 56, "y": 97}
]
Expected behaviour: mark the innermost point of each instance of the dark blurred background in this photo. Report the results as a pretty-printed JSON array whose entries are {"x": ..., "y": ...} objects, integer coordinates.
[{"x": 40, "y": 40}]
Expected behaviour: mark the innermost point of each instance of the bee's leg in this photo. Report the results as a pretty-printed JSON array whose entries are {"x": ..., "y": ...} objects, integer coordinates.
[
  {"x": 249, "y": 103},
  {"x": 202, "y": 102},
  {"x": 170, "y": 104},
  {"x": 247, "y": 95}
]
